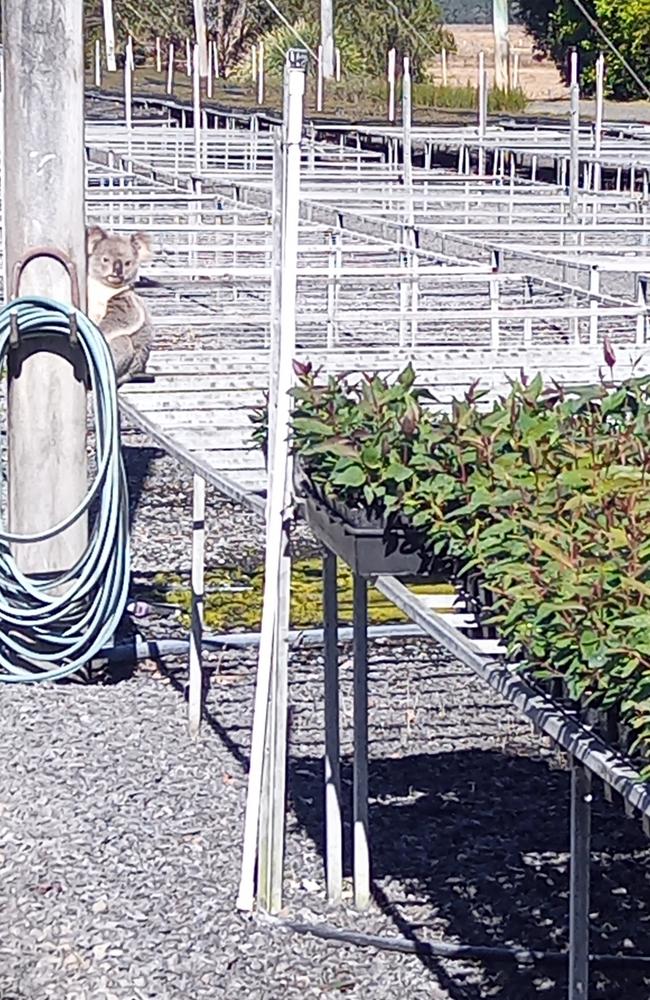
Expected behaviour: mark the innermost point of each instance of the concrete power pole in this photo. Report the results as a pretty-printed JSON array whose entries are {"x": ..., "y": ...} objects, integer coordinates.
[
  {"x": 109, "y": 35},
  {"x": 201, "y": 32},
  {"x": 43, "y": 198},
  {"x": 327, "y": 38},
  {"x": 501, "y": 44}
]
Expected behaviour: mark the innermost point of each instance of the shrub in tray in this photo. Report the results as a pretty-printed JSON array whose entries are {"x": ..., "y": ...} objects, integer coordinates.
[
  {"x": 359, "y": 444},
  {"x": 545, "y": 494}
]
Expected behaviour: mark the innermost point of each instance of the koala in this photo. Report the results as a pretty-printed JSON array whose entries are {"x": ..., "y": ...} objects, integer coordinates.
[{"x": 113, "y": 263}]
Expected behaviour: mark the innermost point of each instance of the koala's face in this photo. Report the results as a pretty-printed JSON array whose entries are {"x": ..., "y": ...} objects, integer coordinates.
[{"x": 114, "y": 260}]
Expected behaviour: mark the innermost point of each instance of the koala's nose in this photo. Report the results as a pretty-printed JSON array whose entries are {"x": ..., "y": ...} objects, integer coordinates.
[{"x": 118, "y": 268}]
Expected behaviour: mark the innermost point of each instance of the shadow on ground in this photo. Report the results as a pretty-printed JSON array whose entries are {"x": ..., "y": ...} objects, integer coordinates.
[{"x": 472, "y": 846}]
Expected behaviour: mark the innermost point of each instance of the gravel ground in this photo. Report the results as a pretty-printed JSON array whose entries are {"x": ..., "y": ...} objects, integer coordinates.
[{"x": 120, "y": 838}]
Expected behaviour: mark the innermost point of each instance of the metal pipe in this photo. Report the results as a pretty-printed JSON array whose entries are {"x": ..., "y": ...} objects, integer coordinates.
[
  {"x": 360, "y": 847},
  {"x": 579, "y": 882},
  {"x": 443, "y": 949},
  {"x": 153, "y": 649},
  {"x": 196, "y": 626},
  {"x": 333, "y": 810}
]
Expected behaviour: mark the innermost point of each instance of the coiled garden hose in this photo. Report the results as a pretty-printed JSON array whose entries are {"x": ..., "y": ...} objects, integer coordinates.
[{"x": 49, "y": 629}]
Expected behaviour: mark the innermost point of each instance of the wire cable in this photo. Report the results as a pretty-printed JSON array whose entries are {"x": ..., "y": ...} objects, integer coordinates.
[
  {"x": 414, "y": 31},
  {"x": 294, "y": 32},
  {"x": 610, "y": 44},
  {"x": 50, "y": 628}
]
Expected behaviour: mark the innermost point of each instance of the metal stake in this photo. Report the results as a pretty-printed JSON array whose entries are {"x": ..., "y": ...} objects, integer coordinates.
[
  {"x": 575, "y": 138},
  {"x": 170, "y": 69},
  {"x": 333, "y": 812},
  {"x": 391, "y": 85},
  {"x": 360, "y": 848},
  {"x": 579, "y": 882},
  {"x": 196, "y": 629}
]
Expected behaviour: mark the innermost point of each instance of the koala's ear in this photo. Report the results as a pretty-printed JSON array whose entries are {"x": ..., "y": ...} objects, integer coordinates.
[
  {"x": 141, "y": 243},
  {"x": 94, "y": 235}
]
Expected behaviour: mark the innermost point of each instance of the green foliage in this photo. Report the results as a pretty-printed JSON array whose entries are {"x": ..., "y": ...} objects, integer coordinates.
[
  {"x": 558, "y": 25},
  {"x": 279, "y": 39},
  {"x": 545, "y": 494},
  {"x": 466, "y": 98},
  {"x": 377, "y": 27},
  {"x": 365, "y": 30},
  {"x": 363, "y": 438},
  {"x": 234, "y": 24}
]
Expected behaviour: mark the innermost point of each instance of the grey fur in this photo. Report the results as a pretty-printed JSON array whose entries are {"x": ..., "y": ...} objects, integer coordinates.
[
  {"x": 128, "y": 330},
  {"x": 120, "y": 313}
]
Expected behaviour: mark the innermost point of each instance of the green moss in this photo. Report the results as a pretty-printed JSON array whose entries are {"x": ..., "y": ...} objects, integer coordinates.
[{"x": 233, "y": 597}]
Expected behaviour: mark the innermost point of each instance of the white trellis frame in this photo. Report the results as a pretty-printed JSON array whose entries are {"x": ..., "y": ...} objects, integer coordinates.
[{"x": 265, "y": 805}]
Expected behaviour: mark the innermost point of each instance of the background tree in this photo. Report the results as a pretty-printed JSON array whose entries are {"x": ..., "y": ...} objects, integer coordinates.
[
  {"x": 366, "y": 29},
  {"x": 557, "y": 26}
]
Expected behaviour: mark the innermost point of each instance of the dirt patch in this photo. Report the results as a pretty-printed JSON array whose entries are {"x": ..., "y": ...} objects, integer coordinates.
[{"x": 539, "y": 79}]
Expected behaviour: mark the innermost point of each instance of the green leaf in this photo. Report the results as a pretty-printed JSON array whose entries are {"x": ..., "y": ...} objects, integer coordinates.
[
  {"x": 351, "y": 475},
  {"x": 399, "y": 473}
]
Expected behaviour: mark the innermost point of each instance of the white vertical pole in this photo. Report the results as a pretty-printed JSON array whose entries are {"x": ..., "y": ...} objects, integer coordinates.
[
  {"x": 482, "y": 111},
  {"x": 579, "y": 882},
  {"x": 196, "y": 626},
  {"x": 574, "y": 138},
  {"x": 98, "y": 63},
  {"x": 594, "y": 289},
  {"x": 201, "y": 35},
  {"x": 278, "y": 469},
  {"x": 443, "y": 67},
  {"x": 170, "y": 69},
  {"x": 501, "y": 44},
  {"x": 128, "y": 97},
  {"x": 158, "y": 55},
  {"x": 333, "y": 810},
  {"x": 319, "y": 80},
  {"x": 598, "y": 127},
  {"x": 109, "y": 36},
  {"x": 515, "y": 71},
  {"x": 327, "y": 38},
  {"x": 215, "y": 60},
  {"x": 43, "y": 198},
  {"x": 407, "y": 141},
  {"x": 337, "y": 60},
  {"x": 494, "y": 294},
  {"x": 254, "y": 64},
  {"x": 188, "y": 56},
  {"x": 260, "y": 74},
  {"x": 391, "y": 85},
  {"x": 196, "y": 110},
  {"x": 210, "y": 72},
  {"x": 360, "y": 829}
]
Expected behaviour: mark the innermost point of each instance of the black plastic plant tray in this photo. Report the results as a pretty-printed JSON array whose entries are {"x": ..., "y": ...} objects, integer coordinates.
[{"x": 369, "y": 545}]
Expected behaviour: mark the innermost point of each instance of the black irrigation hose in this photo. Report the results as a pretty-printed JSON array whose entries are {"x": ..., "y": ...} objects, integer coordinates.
[{"x": 442, "y": 949}]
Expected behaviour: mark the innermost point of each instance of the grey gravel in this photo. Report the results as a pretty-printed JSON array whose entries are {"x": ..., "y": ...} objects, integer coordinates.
[{"x": 120, "y": 838}]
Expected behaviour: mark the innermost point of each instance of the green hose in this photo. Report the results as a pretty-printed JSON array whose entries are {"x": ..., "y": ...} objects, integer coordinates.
[{"x": 49, "y": 629}]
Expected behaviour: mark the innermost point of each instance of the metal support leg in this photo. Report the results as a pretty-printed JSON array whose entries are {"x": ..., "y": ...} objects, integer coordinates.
[
  {"x": 333, "y": 821},
  {"x": 280, "y": 696},
  {"x": 361, "y": 851},
  {"x": 196, "y": 628},
  {"x": 273, "y": 793},
  {"x": 579, "y": 882}
]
